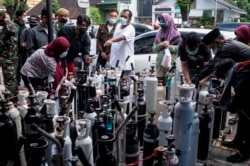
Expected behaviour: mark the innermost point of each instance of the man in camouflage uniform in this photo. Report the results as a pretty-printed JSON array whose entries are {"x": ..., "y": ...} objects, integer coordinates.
[{"x": 8, "y": 51}]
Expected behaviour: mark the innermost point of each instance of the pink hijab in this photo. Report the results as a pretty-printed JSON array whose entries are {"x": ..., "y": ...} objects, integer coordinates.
[
  {"x": 171, "y": 34},
  {"x": 243, "y": 34}
]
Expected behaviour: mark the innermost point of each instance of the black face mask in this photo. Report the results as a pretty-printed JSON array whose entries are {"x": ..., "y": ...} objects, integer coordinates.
[
  {"x": 63, "y": 20},
  {"x": 82, "y": 30}
]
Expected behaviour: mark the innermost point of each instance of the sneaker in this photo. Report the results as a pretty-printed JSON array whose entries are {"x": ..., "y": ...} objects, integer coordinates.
[
  {"x": 230, "y": 144},
  {"x": 237, "y": 157}
]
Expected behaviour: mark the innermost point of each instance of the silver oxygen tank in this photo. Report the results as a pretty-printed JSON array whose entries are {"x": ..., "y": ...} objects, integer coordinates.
[
  {"x": 61, "y": 131},
  {"x": 83, "y": 139},
  {"x": 183, "y": 118}
]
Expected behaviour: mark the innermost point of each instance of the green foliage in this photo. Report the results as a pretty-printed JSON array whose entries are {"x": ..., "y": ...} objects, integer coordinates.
[
  {"x": 94, "y": 15},
  {"x": 55, "y": 5},
  {"x": 185, "y": 7},
  {"x": 13, "y": 5},
  {"x": 205, "y": 20}
]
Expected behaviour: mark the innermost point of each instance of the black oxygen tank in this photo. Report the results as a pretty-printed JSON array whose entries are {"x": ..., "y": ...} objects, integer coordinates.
[
  {"x": 106, "y": 156},
  {"x": 203, "y": 143},
  {"x": 132, "y": 144},
  {"x": 217, "y": 119},
  {"x": 8, "y": 138},
  {"x": 150, "y": 140},
  {"x": 32, "y": 116},
  {"x": 141, "y": 115},
  {"x": 97, "y": 131}
]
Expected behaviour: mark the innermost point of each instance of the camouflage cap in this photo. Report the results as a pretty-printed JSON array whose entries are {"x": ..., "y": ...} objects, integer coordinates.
[{"x": 2, "y": 9}]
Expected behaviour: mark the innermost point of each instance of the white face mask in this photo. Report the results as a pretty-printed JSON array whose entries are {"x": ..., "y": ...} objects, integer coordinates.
[
  {"x": 25, "y": 19},
  {"x": 64, "y": 54}
]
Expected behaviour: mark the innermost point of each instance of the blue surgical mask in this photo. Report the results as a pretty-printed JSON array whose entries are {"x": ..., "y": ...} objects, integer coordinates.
[
  {"x": 123, "y": 21},
  {"x": 192, "y": 53},
  {"x": 64, "y": 54},
  {"x": 112, "y": 21}
]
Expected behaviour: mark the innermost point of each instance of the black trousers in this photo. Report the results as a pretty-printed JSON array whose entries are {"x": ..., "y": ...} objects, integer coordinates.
[{"x": 35, "y": 82}]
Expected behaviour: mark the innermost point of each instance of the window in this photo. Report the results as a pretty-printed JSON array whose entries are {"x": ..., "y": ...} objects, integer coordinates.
[{"x": 144, "y": 45}]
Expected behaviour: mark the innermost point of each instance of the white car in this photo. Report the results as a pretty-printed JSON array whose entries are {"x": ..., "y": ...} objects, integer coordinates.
[{"x": 144, "y": 54}]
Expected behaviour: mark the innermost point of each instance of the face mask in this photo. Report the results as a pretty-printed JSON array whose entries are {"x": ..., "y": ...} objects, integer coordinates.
[
  {"x": 164, "y": 26},
  {"x": 64, "y": 54},
  {"x": 192, "y": 53},
  {"x": 123, "y": 21},
  {"x": 82, "y": 30},
  {"x": 25, "y": 20},
  {"x": 112, "y": 21},
  {"x": 63, "y": 20}
]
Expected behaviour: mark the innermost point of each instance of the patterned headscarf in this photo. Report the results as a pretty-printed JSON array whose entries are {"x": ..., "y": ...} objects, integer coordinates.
[
  {"x": 171, "y": 34},
  {"x": 57, "y": 47},
  {"x": 243, "y": 34}
]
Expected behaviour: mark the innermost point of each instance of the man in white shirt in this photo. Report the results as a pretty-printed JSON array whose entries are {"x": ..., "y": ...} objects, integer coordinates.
[{"x": 122, "y": 43}]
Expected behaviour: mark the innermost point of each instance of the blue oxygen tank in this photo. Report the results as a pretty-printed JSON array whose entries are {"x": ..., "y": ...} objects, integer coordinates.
[{"x": 183, "y": 118}]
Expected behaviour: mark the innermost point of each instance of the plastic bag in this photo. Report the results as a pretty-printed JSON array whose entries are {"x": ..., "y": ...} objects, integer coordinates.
[{"x": 166, "y": 60}]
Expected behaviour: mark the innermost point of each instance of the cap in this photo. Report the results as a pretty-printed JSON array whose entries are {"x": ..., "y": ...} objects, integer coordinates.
[
  {"x": 2, "y": 9},
  {"x": 34, "y": 19},
  {"x": 19, "y": 12},
  {"x": 62, "y": 12},
  {"x": 211, "y": 36}
]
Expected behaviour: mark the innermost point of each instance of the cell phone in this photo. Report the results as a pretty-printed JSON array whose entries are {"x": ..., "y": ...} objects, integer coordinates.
[{"x": 93, "y": 56}]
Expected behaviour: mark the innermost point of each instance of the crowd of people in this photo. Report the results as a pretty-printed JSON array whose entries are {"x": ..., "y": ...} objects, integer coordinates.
[{"x": 26, "y": 53}]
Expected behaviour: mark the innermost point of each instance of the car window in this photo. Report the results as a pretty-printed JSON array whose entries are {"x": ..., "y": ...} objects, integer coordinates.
[{"x": 144, "y": 45}]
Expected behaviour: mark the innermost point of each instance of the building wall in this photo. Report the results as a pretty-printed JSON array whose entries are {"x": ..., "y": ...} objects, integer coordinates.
[{"x": 211, "y": 5}]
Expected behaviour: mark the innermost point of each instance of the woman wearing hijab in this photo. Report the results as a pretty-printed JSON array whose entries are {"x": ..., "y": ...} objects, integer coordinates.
[
  {"x": 167, "y": 37},
  {"x": 44, "y": 62},
  {"x": 243, "y": 34}
]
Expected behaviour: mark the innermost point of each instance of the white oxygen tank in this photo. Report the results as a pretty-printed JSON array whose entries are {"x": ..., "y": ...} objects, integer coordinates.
[
  {"x": 61, "y": 132},
  {"x": 15, "y": 116},
  {"x": 83, "y": 140},
  {"x": 151, "y": 93},
  {"x": 164, "y": 122},
  {"x": 22, "y": 102}
]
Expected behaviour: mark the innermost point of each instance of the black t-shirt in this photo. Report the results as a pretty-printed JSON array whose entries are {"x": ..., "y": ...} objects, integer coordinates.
[{"x": 203, "y": 55}]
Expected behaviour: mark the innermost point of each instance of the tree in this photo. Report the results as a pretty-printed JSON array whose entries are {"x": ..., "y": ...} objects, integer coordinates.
[
  {"x": 55, "y": 5},
  {"x": 185, "y": 8},
  {"x": 13, "y": 5}
]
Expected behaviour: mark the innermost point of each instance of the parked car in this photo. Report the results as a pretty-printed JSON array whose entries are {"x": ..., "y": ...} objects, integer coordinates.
[
  {"x": 144, "y": 43},
  {"x": 231, "y": 26},
  {"x": 141, "y": 28}
]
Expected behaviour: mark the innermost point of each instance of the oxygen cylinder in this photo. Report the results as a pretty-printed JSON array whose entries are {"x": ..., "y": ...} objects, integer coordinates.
[
  {"x": 124, "y": 90},
  {"x": 195, "y": 131},
  {"x": 141, "y": 115},
  {"x": 151, "y": 93},
  {"x": 97, "y": 131},
  {"x": 105, "y": 151},
  {"x": 37, "y": 152},
  {"x": 202, "y": 100},
  {"x": 82, "y": 99},
  {"x": 83, "y": 140},
  {"x": 61, "y": 132},
  {"x": 183, "y": 117},
  {"x": 164, "y": 122},
  {"x": 32, "y": 116},
  {"x": 160, "y": 158},
  {"x": 203, "y": 144},
  {"x": 90, "y": 111},
  {"x": 48, "y": 126},
  {"x": 132, "y": 144},
  {"x": 22, "y": 102},
  {"x": 150, "y": 140},
  {"x": 15, "y": 116},
  {"x": 8, "y": 139},
  {"x": 217, "y": 119}
]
